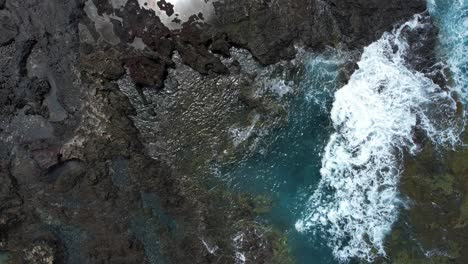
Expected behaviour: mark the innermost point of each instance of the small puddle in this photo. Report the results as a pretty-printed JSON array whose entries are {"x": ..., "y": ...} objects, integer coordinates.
[{"x": 182, "y": 10}]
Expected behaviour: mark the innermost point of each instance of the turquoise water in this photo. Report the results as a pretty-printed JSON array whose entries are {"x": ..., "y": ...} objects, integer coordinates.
[
  {"x": 289, "y": 169},
  {"x": 451, "y": 16},
  {"x": 4, "y": 258}
]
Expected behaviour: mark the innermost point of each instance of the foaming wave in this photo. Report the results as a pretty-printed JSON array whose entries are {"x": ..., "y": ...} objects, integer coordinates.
[{"x": 375, "y": 117}]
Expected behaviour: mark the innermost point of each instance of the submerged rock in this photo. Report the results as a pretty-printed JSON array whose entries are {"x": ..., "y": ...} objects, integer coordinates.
[{"x": 436, "y": 183}]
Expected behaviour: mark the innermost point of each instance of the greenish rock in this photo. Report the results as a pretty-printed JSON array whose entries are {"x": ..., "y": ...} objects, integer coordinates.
[
  {"x": 281, "y": 251},
  {"x": 262, "y": 204},
  {"x": 436, "y": 183}
]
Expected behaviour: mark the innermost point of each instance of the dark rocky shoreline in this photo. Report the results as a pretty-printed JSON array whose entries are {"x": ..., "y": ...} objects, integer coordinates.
[{"x": 82, "y": 181}]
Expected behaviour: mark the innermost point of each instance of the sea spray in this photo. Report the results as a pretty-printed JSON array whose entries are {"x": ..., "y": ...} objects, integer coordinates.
[{"x": 375, "y": 117}]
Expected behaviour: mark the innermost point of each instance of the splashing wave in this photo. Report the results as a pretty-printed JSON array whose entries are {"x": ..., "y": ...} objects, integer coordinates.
[{"x": 375, "y": 117}]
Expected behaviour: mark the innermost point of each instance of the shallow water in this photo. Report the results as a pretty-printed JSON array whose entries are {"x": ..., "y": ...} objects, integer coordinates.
[
  {"x": 4, "y": 258},
  {"x": 333, "y": 170},
  {"x": 288, "y": 169}
]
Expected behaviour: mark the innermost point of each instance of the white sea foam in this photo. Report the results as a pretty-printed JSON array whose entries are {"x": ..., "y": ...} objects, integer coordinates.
[{"x": 375, "y": 116}]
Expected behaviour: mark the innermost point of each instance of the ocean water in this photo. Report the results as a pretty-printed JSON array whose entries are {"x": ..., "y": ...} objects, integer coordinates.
[
  {"x": 288, "y": 170},
  {"x": 333, "y": 170},
  {"x": 451, "y": 17}
]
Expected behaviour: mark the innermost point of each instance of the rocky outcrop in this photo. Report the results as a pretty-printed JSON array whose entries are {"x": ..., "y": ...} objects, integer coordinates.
[
  {"x": 269, "y": 29},
  {"x": 80, "y": 182}
]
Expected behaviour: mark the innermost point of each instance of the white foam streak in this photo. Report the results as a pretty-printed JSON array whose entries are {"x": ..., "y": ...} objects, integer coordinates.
[{"x": 375, "y": 116}]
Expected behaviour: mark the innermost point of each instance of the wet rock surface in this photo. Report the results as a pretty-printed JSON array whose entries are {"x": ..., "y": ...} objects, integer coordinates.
[
  {"x": 107, "y": 116},
  {"x": 269, "y": 29},
  {"x": 436, "y": 183}
]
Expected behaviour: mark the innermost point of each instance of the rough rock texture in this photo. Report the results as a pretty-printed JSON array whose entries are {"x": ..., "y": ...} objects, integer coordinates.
[
  {"x": 437, "y": 184},
  {"x": 269, "y": 29},
  {"x": 79, "y": 180}
]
